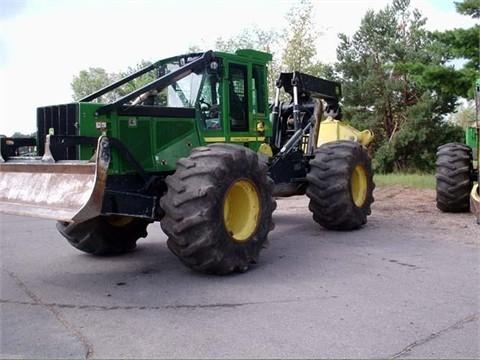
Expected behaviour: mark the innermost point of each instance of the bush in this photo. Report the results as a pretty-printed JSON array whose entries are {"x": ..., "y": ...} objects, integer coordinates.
[
  {"x": 414, "y": 147},
  {"x": 384, "y": 158}
]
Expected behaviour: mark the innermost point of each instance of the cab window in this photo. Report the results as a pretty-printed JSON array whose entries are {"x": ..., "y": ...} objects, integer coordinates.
[
  {"x": 209, "y": 102},
  {"x": 258, "y": 83},
  {"x": 238, "y": 97}
]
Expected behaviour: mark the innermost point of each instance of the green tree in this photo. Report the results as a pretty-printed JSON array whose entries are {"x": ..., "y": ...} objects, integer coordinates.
[
  {"x": 394, "y": 83},
  {"x": 299, "y": 37},
  {"x": 249, "y": 38},
  {"x": 465, "y": 115},
  {"x": 89, "y": 81},
  {"x": 469, "y": 7},
  {"x": 462, "y": 46},
  {"x": 93, "y": 79},
  {"x": 137, "y": 82},
  {"x": 18, "y": 134},
  {"x": 257, "y": 39}
]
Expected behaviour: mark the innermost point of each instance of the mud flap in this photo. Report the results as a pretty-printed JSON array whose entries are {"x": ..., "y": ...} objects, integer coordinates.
[{"x": 65, "y": 190}]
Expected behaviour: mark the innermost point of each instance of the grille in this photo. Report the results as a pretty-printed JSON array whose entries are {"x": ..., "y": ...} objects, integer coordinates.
[{"x": 63, "y": 119}]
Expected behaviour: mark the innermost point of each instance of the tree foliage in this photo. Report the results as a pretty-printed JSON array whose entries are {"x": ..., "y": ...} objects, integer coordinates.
[
  {"x": 137, "y": 82},
  {"x": 295, "y": 45},
  {"x": 89, "y": 81},
  {"x": 293, "y": 49},
  {"x": 18, "y": 134},
  {"x": 299, "y": 37},
  {"x": 469, "y": 7},
  {"x": 93, "y": 79},
  {"x": 249, "y": 38},
  {"x": 462, "y": 45},
  {"x": 398, "y": 79},
  {"x": 465, "y": 116},
  {"x": 257, "y": 39},
  {"x": 397, "y": 83}
]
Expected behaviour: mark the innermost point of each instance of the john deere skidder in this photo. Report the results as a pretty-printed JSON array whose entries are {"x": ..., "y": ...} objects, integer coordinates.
[{"x": 199, "y": 149}]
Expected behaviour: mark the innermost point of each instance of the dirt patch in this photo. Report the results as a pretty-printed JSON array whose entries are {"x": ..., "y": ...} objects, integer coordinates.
[
  {"x": 417, "y": 208},
  {"x": 400, "y": 200},
  {"x": 398, "y": 207}
]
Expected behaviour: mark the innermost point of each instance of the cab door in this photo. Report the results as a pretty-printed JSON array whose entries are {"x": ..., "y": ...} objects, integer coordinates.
[
  {"x": 238, "y": 99},
  {"x": 211, "y": 108},
  {"x": 246, "y": 104}
]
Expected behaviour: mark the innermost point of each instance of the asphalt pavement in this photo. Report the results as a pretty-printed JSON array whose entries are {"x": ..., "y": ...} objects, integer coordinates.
[{"x": 397, "y": 288}]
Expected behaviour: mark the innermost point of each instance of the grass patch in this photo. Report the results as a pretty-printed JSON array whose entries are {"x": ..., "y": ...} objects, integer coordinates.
[{"x": 419, "y": 181}]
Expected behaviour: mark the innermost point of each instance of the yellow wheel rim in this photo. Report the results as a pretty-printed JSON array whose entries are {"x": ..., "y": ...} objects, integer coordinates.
[
  {"x": 241, "y": 209},
  {"x": 358, "y": 185},
  {"x": 119, "y": 221}
]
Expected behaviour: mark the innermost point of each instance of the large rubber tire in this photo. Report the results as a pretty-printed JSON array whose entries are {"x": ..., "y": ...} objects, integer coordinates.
[
  {"x": 340, "y": 185},
  {"x": 104, "y": 235},
  {"x": 453, "y": 172},
  {"x": 218, "y": 209}
]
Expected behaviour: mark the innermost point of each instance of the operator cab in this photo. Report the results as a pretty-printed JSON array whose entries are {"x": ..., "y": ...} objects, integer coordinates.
[
  {"x": 233, "y": 99},
  {"x": 228, "y": 94}
]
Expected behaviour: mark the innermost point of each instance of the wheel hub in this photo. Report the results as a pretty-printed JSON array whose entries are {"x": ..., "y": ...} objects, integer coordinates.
[
  {"x": 241, "y": 209},
  {"x": 358, "y": 185}
]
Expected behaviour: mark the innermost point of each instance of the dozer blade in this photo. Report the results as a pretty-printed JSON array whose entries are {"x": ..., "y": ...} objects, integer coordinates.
[{"x": 65, "y": 190}]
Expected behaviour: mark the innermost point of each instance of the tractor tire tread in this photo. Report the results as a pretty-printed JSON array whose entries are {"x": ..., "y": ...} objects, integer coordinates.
[
  {"x": 98, "y": 237},
  {"x": 329, "y": 185},
  {"x": 196, "y": 234},
  {"x": 453, "y": 175}
]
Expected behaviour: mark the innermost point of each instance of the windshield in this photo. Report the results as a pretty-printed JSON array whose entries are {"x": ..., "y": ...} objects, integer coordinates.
[
  {"x": 180, "y": 93},
  {"x": 183, "y": 93}
]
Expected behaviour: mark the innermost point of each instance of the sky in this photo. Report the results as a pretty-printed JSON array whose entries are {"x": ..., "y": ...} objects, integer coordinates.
[{"x": 44, "y": 43}]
